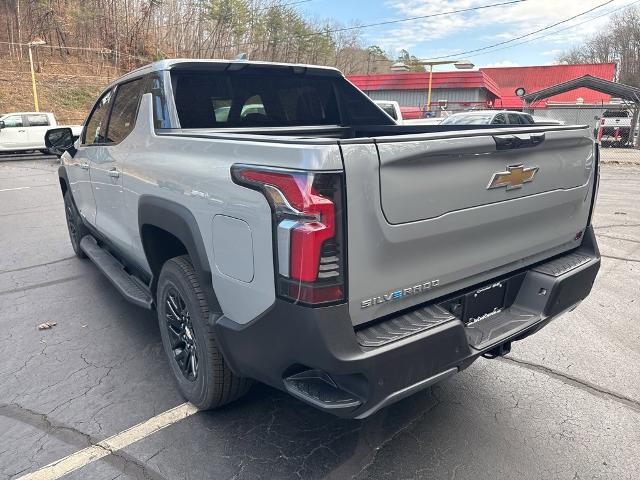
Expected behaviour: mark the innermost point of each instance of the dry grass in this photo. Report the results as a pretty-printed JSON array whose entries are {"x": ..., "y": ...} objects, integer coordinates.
[{"x": 69, "y": 95}]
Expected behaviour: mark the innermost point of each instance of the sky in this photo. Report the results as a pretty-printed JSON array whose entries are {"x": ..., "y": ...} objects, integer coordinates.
[{"x": 452, "y": 35}]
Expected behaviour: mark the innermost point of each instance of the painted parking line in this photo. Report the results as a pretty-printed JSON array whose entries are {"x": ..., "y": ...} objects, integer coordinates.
[
  {"x": 112, "y": 444},
  {"x": 26, "y": 188}
]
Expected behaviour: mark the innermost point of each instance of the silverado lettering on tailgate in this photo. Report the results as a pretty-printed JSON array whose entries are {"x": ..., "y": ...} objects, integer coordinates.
[{"x": 401, "y": 293}]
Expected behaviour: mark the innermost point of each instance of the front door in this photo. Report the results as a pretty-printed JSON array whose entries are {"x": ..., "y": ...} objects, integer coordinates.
[
  {"x": 89, "y": 148},
  {"x": 14, "y": 134}
]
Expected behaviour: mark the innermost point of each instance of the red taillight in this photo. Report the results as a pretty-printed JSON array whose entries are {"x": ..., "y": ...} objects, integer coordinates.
[{"x": 307, "y": 209}]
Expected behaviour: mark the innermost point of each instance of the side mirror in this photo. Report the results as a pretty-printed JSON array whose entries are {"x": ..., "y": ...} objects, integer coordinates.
[
  {"x": 1, "y": 124},
  {"x": 59, "y": 140}
]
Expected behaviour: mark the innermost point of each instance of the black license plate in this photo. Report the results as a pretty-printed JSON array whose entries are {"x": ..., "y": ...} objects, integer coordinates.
[{"x": 483, "y": 301}]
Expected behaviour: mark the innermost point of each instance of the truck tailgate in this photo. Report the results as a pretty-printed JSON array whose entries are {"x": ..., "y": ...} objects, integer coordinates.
[{"x": 431, "y": 214}]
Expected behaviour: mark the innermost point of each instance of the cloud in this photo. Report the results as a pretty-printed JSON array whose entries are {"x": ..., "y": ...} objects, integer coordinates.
[
  {"x": 503, "y": 63},
  {"x": 552, "y": 53},
  {"x": 495, "y": 24}
]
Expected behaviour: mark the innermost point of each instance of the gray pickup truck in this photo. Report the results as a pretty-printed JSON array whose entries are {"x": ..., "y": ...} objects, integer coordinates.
[{"x": 286, "y": 230}]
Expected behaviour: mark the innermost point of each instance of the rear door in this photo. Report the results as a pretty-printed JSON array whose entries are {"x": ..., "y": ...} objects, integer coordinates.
[
  {"x": 14, "y": 134},
  {"x": 435, "y": 213},
  {"x": 37, "y": 126},
  {"x": 107, "y": 160}
]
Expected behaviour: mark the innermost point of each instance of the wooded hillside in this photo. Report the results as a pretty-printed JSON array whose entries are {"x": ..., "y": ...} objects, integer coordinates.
[
  {"x": 90, "y": 42},
  {"x": 131, "y": 32}
]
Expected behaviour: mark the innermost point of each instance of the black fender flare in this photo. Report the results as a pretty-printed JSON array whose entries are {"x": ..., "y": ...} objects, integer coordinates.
[
  {"x": 62, "y": 175},
  {"x": 177, "y": 220}
]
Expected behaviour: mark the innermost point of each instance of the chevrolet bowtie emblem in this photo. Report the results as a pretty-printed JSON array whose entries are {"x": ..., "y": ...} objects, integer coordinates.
[{"x": 514, "y": 177}]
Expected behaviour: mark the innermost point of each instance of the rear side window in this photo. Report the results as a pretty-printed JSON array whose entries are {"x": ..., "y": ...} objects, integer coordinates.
[
  {"x": 38, "y": 120},
  {"x": 514, "y": 119},
  {"x": 95, "y": 131},
  {"x": 160, "y": 111},
  {"x": 13, "y": 121},
  {"x": 236, "y": 99},
  {"x": 500, "y": 120},
  {"x": 125, "y": 109},
  {"x": 527, "y": 119}
]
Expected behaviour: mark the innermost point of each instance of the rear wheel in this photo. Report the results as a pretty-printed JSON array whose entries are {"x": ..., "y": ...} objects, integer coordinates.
[
  {"x": 196, "y": 362},
  {"x": 76, "y": 228}
]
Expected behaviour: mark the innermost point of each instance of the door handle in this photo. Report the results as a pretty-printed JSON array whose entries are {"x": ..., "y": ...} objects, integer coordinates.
[
  {"x": 512, "y": 142},
  {"x": 84, "y": 166},
  {"x": 114, "y": 173},
  {"x": 21, "y": 131}
]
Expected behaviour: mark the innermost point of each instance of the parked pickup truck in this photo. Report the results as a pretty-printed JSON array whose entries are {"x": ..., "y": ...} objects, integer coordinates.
[
  {"x": 315, "y": 245},
  {"x": 614, "y": 128},
  {"x": 26, "y": 130}
]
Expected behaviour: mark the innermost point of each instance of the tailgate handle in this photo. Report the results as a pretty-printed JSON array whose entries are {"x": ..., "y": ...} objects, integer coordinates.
[{"x": 511, "y": 142}]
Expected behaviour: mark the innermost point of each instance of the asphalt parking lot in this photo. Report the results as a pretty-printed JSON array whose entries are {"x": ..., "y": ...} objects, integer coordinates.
[{"x": 564, "y": 404}]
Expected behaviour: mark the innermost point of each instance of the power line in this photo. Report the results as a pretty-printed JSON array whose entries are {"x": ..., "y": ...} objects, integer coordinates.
[
  {"x": 559, "y": 30},
  {"x": 459, "y": 54},
  {"x": 386, "y": 22},
  {"x": 103, "y": 50}
]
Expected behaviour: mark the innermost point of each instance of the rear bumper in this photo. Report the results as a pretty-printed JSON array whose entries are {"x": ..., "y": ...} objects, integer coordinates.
[{"x": 316, "y": 355}]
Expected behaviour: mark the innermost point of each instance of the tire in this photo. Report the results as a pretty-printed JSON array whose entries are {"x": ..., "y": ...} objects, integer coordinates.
[
  {"x": 77, "y": 229},
  {"x": 207, "y": 382}
]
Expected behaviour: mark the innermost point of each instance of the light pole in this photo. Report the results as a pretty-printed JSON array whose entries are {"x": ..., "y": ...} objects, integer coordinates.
[
  {"x": 459, "y": 64},
  {"x": 34, "y": 43}
]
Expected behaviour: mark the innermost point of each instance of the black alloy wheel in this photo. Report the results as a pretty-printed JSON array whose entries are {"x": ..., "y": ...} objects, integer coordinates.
[
  {"x": 188, "y": 338},
  {"x": 181, "y": 334}
]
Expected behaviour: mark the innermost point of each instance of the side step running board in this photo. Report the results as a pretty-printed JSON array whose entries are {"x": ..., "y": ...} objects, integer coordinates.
[
  {"x": 319, "y": 389},
  {"x": 129, "y": 286}
]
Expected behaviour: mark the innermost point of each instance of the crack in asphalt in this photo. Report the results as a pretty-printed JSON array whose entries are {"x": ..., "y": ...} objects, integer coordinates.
[
  {"x": 621, "y": 258},
  {"x": 72, "y": 436},
  {"x": 30, "y": 211},
  {"x": 53, "y": 262},
  {"x": 621, "y": 225},
  {"x": 376, "y": 450},
  {"x": 584, "y": 385},
  {"x": 41, "y": 285},
  {"x": 612, "y": 237}
]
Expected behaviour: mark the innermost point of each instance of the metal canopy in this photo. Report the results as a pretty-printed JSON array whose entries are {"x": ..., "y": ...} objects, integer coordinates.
[{"x": 614, "y": 89}]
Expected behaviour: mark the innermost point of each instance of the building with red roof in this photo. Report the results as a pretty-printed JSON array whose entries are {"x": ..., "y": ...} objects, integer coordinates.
[
  {"x": 533, "y": 79},
  {"x": 483, "y": 88}
]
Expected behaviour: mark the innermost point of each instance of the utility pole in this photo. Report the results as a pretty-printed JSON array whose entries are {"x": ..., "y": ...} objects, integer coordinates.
[{"x": 34, "y": 43}]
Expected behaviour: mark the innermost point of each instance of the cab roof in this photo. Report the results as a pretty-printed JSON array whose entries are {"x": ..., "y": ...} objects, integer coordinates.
[{"x": 225, "y": 65}]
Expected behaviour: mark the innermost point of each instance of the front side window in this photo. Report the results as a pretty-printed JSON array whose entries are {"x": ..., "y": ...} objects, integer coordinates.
[
  {"x": 95, "y": 132},
  {"x": 125, "y": 109},
  {"x": 13, "y": 121},
  {"x": 38, "y": 120}
]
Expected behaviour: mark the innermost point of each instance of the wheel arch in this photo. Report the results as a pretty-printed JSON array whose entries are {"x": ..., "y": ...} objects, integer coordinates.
[
  {"x": 168, "y": 229},
  {"x": 63, "y": 179}
]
